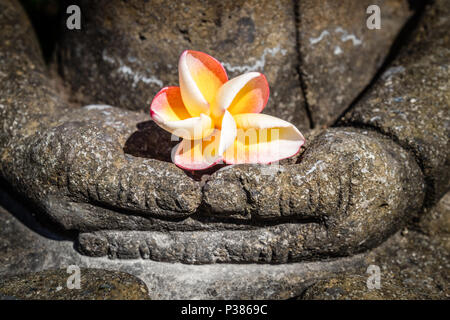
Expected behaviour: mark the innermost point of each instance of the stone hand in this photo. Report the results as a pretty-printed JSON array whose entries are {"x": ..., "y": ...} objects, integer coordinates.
[{"x": 350, "y": 190}]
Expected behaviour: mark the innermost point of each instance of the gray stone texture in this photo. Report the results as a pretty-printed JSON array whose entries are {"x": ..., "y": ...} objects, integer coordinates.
[
  {"x": 339, "y": 53},
  {"x": 29, "y": 248},
  {"x": 410, "y": 101},
  {"x": 95, "y": 284},
  {"x": 127, "y": 51},
  {"x": 134, "y": 47},
  {"x": 413, "y": 264},
  {"x": 86, "y": 170}
]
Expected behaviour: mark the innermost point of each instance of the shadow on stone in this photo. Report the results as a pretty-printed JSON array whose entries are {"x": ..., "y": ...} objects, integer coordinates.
[
  {"x": 25, "y": 212},
  {"x": 150, "y": 141}
]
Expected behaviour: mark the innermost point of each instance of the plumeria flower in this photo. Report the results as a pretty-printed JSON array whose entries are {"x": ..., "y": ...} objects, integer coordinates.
[{"x": 219, "y": 119}]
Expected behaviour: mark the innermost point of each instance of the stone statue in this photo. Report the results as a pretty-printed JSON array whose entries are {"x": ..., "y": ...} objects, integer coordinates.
[{"x": 78, "y": 144}]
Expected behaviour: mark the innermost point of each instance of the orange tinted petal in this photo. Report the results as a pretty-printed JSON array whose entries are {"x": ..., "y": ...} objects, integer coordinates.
[
  {"x": 168, "y": 111},
  {"x": 263, "y": 139},
  {"x": 247, "y": 93},
  {"x": 200, "y": 77},
  {"x": 198, "y": 154},
  {"x": 167, "y": 104}
]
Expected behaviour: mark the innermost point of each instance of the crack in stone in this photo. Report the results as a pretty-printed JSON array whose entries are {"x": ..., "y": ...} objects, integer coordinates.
[{"x": 300, "y": 61}]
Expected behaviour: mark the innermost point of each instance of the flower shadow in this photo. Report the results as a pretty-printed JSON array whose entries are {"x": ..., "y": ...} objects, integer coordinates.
[{"x": 150, "y": 141}]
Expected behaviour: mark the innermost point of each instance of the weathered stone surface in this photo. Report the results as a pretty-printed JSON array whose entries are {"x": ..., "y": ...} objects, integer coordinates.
[
  {"x": 355, "y": 288},
  {"x": 302, "y": 211},
  {"x": 340, "y": 164},
  {"x": 164, "y": 280},
  {"x": 127, "y": 51},
  {"x": 339, "y": 54},
  {"x": 147, "y": 142},
  {"x": 413, "y": 264},
  {"x": 82, "y": 157},
  {"x": 95, "y": 284},
  {"x": 23, "y": 78},
  {"x": 348, "y": 192},
  {"x": 410, "y": 101},
  {"x": 278, "y": 244},
  {"x": 50, "y": 151}
]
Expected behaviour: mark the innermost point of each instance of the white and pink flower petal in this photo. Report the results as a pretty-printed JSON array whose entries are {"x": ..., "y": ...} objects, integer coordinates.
[
  {"x": 200, "y": 77},
  {"x": 204, "y": 153},
  {"x": 228, "y": 132},
  {"x": 198, "y": 154},
  {"x": 262, "y": 138},
  {"x": 169, "y": 112},
  {"x": 247, "y": 93}
]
